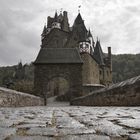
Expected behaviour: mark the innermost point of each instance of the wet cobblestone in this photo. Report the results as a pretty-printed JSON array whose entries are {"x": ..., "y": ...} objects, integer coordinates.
[{"x": 71, "y": 123}]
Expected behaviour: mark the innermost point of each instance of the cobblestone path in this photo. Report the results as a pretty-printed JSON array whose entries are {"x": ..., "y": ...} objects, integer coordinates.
[{"x": 70, "y": 123}]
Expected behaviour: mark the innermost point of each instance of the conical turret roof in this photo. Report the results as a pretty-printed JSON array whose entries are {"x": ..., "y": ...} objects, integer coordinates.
[
  {"x": 80, "y": 28},
  {"x": 56, "y": 17},
  {"x": 89, "y": 34},
  {"x": 78, "y": 19},
  {"x": 98, "y": 53}
]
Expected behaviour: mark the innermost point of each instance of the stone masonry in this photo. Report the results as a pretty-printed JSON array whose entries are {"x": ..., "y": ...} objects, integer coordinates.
[
  {"x": 126, "y": 93},
  {"x": 70, "y": 123},
  {"x": 70, "y": 72},
  {"x": 12, "y": 98}
]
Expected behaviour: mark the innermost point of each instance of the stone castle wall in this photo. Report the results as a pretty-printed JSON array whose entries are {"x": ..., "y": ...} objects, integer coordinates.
[
  {"x": 126, "y": 93},
  {"x": 11, "y": 98},
  {"x": 90, "y": 70},
  {"x": 105, "y": 76}
]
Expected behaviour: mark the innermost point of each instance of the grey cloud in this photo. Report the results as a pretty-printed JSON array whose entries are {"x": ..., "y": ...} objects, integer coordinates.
[
  {"x": 134, "y": 10},
  {"x": 21, "y": 24}
]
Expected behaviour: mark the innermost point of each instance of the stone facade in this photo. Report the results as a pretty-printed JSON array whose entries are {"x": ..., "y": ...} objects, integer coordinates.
[
  {"x": 11, "y": 98},
  {"x": 69, "y": 58},
  {"x": 126, "y": 93},
  {"x": 70, "y": 72}
]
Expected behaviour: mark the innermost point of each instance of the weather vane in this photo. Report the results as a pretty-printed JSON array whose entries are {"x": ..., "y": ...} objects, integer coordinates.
[{"x": 79, "y": 8}]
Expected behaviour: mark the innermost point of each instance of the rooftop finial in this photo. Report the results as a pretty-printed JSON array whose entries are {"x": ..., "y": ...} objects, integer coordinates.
[{"x": 79, "y": 8}]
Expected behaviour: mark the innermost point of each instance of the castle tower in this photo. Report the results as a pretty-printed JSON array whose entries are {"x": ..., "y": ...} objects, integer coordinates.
[{"x": 65, "y": 23}]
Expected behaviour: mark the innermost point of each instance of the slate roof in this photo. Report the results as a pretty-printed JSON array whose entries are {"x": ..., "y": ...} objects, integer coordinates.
[
  {"x": 78, "y": 19},
  {"x": 58, "y": 55},
  {"x": 56, "y": 17},
  {"x": 98, "y": 53},
  {"x": 89, "y": 34},
  {"x": 80, "y": 28}
]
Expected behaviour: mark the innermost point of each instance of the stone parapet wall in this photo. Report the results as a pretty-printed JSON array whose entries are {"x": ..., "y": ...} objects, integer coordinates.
[
  {"x": 11, "y": 98},
  {"x": 126, "y": 93}
]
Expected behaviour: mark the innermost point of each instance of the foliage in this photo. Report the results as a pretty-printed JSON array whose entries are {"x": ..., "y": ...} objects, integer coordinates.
[
  {"x": 25, "y": 86},
  {"x": 125, "y": 66}
]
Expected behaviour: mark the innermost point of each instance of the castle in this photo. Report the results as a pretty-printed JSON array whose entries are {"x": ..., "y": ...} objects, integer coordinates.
[{"x": 69, "y": 59}]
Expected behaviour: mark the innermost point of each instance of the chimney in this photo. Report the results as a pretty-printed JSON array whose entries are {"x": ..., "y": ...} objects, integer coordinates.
[{"x": 110, "y": 58}]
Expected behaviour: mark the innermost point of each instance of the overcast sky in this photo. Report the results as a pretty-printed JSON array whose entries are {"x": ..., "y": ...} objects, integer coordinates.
[{"x": 115, "y": 22}]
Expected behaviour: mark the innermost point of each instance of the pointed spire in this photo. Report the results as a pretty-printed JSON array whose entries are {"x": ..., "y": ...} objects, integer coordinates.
[
  {"x": 89, "y": 34},
  {"x": 80, "y": 29},
  {"x": 78, "y": 19},
  {"x": 60, "y": 17},
  {"x": 98, "y": 53},
  {"x": 55, "y": 16}
]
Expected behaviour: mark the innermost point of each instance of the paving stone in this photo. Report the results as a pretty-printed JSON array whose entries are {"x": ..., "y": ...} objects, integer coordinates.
[
  {"x": 30, "y": 138},
  {"x": 134, "y": 137},
  {"x": 30, "y": 125},
  {"x": 42, "y": 131},
  {"x": 75, "y": 131},
  {"x": 6, "y": 132},
  {"x": 71, "y": 122},
  {"x": 134, "y": 123},
  {"x": 85, "y": 137},
  {"x": 110, "y": 129},
  {"x": 68, "y": 122},
  {"x": 6, "y": 123}
]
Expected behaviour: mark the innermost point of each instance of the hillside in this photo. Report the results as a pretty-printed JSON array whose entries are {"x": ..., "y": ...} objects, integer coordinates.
[{"x": 125, "y": 66}]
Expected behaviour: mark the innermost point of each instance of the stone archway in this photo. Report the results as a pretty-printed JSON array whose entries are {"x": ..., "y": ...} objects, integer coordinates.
[
  {"x": 69, "y": 76},
  {"x": 57, "y": 86}
]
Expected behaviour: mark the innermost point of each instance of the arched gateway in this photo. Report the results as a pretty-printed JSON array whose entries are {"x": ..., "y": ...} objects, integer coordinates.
[{"x": 58, "y": 72}]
